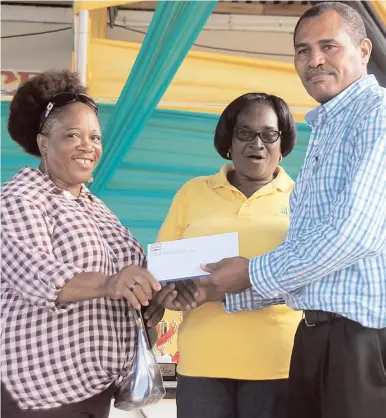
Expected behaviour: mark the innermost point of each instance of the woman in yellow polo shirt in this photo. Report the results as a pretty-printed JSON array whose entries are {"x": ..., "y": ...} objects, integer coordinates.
[{"x": 235, "y": 365}]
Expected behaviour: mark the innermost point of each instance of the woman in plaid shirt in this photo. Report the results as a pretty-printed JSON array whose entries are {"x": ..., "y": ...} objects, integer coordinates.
[{"x": 70, "y": 272}]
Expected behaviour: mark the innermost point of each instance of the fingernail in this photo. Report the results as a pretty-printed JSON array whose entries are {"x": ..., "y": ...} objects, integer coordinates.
[
  {"x": 157, "y": 286},
  {"x": 194, "y": 304},
  {"x": 137, "y": 307},
  {"x": 146, "y": 303},
  {"x": 174, "y": 292}
]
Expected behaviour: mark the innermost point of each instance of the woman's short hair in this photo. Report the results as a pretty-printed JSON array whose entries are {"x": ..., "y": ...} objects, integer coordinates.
[
  {"x": 30, "y": 102},
  {"x": 224, "y": 130}
]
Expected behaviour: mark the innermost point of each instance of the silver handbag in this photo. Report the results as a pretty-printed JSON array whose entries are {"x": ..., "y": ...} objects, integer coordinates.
[{"x": 143, "y": 385}]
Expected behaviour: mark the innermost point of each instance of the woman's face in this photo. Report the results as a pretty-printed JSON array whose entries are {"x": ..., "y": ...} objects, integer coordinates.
[
  {"x": 255, "y": 159},
  {"x": 72, "y": 148}
]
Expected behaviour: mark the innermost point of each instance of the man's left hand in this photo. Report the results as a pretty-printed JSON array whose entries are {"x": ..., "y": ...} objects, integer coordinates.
[{"x": 230, "y": 275}]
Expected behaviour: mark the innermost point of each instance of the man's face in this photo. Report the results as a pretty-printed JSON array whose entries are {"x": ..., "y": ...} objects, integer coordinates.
[{"x": 327, "y": 59}]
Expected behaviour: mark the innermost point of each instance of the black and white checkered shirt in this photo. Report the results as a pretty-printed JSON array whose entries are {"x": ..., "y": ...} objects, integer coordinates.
[{"x": 55, "y": 354}]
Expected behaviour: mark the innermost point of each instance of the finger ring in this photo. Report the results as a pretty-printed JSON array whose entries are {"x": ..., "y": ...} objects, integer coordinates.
[{"x": 132, "y": 287}]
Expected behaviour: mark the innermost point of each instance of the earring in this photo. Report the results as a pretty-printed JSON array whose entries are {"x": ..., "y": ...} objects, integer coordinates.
[
  {"x": 281, "y": 158},
  {"x": 229, "y": 156}
]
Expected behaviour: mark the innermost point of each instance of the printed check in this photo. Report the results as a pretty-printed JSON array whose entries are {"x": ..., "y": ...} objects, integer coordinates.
[{"x": 181, "y": 259}]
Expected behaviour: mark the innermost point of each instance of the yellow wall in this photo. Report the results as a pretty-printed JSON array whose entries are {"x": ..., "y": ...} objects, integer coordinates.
[
  {"x": 205, "y": 82},
  {"x": 380, "y": 9},
  {"x": 92, "y": 5}
]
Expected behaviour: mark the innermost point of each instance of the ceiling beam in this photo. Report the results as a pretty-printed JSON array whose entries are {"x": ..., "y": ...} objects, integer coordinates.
[
  {"x": 261, "y": 8},
  {"x": 268, "y": 8}
]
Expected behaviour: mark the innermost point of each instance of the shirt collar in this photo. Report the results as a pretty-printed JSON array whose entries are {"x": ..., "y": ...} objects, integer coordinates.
[
  {"x": 43, "y": 180},
  {"x": 336, "y": 105},
  {"x": 282, "y": 181}
]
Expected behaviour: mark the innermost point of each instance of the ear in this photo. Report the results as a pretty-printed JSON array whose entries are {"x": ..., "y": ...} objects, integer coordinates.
[
  {"x": 42, "y": 141},
  {"x": 366, "y": 47}
]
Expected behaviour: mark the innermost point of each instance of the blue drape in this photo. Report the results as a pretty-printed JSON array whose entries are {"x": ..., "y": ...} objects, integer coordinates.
[
  {"x": 173, "y": 148},
  {"x": 173, "y": 29}
]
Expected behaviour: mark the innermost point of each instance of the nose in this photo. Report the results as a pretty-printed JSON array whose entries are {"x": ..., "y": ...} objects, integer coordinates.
[
  {"x": 316, "y": 58},
  {"x": 257, "y": 142},
  {"x": 86, "y": 143}
]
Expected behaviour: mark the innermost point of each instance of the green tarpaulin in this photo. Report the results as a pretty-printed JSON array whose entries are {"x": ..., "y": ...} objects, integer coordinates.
[{"x": 173, "y": 148}]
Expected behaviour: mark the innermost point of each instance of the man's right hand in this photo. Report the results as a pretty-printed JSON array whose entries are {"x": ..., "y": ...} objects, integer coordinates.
[{"x": 133, "y": 283}]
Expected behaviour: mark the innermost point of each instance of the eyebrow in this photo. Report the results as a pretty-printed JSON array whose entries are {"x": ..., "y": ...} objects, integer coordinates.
[
  {"x": 301, "y": 45},
  {"x": 272, "y": 128},
  {"x": 326, "y": 41},
  {"x": 322, "y": 41},
  {"x": 95, "y": 131}
]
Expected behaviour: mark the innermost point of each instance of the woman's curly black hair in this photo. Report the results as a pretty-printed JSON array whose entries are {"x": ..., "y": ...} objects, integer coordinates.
[
  {"x": 224, "y": 129},
  {"x": 30, "y": 102}
]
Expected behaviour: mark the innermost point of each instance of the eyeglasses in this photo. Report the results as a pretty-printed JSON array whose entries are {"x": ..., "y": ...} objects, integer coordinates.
[
  {"x": 246, "y": 134},
  {"x": 63, "y": 99}
]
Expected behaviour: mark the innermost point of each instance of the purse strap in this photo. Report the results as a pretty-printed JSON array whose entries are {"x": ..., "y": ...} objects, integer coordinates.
[{"x": 142, "y": 324}]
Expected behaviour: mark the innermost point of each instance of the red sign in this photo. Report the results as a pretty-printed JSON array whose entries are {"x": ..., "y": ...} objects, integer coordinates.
[{"x": 11, "y": 80}]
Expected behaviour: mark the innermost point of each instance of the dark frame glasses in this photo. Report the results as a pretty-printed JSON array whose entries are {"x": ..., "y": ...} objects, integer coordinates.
[
  {"x": 63, "y": 99},
  {"x": 246, "y": 134}
]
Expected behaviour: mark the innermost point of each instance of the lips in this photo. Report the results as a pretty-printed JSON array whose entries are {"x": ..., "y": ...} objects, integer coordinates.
[
  {"x": 318, "y": 76},
  {"x": 256, "y": 157},
  {"x": 85, "y": 161}
]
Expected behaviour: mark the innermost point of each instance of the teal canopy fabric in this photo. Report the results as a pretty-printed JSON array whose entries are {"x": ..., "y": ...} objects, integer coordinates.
[
  {"x": 173, "y": 148},
  {"x": 173, "y": 29}
]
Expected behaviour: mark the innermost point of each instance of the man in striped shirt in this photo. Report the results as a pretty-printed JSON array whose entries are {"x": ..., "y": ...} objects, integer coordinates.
[{"x": 333, "y": 262}]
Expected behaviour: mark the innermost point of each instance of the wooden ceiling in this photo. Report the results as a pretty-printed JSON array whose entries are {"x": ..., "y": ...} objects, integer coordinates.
[{"x": 270, "y": 8}]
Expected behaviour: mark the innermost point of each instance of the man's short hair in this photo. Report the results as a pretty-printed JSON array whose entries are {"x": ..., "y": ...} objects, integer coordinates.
[{"x": 353, "y": 21}]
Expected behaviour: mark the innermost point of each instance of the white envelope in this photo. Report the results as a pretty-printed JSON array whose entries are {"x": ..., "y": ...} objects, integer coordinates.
[{"x": 181, "y": 259}]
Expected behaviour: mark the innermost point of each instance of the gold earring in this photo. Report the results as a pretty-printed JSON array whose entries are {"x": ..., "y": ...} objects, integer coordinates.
[{"x": 281, "y": 158}]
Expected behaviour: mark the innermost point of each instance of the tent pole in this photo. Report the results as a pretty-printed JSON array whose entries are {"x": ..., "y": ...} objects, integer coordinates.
[{"x": 82, "y": 46}]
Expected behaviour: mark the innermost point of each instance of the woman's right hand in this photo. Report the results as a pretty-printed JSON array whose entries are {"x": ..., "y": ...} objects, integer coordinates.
[
  {"x": 176, "y": 296},
  {"x": 133, "y": 283}
]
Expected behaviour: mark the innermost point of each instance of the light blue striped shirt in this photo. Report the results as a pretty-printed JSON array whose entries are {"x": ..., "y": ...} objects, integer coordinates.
[{"x": 334, "y": 256}]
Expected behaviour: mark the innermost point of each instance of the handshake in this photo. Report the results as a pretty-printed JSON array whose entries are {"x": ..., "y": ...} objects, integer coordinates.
[
  {"x": 230, "y": 275},
  {"x": 180, "y": 296},
  {"x": 140, "y": 288}
]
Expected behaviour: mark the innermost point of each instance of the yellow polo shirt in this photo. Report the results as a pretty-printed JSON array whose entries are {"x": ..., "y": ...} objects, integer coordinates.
[{"x": 253, "y": 345}]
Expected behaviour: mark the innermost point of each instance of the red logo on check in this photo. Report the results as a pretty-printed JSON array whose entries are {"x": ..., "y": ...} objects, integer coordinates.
[{"x": 156, "y": 246}]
